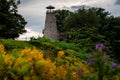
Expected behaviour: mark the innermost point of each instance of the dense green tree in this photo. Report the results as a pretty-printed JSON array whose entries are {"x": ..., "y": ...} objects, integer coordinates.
[
  {"x": 112, "y": 33},
  {"x": 86, "y": 27},
  {"x": 60, "y": 17},
  {"x": 11, "y": 23},
  {"x": 82, "y": 17},
  {"x": 82, "y": 28}
]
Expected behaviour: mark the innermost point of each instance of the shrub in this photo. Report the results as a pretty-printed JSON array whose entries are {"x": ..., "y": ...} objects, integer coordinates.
[
  {"x": 14, "y": 44},
  {"x": 30, "y": 64},
  {"x": 103, "y": 67}
]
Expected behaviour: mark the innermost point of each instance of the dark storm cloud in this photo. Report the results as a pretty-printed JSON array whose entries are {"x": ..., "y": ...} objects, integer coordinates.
[{"x": 117, "y": 2}]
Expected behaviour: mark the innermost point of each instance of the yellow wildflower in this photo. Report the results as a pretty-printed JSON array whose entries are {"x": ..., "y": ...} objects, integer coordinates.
[
  {"x": 18, "y": 61},
  {"x": 7, "y": 60},
  {"x": 48, "y": 71},
  {"x": 2, "y": 48},
  {"x": 61, "y": 72},
  {"x": 25, "y": 51},
  {"x": 60, "y": 54},
  {"x": 29, "y": 59}
]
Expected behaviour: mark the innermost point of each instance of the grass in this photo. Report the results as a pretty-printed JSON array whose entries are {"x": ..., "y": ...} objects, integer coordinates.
[
  {"x": 46, "y": 46},
  {"x": 14, "y": 44}
]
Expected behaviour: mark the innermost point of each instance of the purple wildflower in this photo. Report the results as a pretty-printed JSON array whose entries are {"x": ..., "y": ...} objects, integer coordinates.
[
  {"x": 113, "y": 64},
  {"x": 97, "y": 46},
  {"x": 100, "y": 45},
  {"x": 80, "y": 70},
  {"x": 89, "y": 61}
]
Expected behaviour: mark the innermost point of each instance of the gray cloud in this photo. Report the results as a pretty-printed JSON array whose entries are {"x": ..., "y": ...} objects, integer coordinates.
[
  {"x": 34, "y": 10},
  {"x": 79, "y": 6},
  {"x": 25, "y": 1},
  {"x": 117, "y": 2}
]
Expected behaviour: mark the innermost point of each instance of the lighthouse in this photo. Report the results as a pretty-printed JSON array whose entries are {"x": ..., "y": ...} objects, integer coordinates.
[{"x": 50, "y": 30}]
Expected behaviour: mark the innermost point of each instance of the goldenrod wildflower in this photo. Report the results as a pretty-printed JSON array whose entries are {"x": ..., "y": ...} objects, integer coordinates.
[
  {"x": 61, "y": 54},
  {"x": 2, "y": 49}
]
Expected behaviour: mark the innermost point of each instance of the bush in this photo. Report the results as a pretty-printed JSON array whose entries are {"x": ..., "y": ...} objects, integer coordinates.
[
  {"x": 14, "y": 44},
  {"x": 102, "y": 66},
  {"x": 30, "y": 64}
]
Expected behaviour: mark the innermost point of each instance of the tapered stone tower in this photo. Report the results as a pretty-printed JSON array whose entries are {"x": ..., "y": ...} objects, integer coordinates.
[{"x": 50, "y": 30}]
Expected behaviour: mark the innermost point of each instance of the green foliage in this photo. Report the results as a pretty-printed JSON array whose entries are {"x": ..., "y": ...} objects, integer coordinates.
[
  {"x": 14, "y": 44},
  {"x": 104, "y": 67},
  {"x": 52, "y": 60},
  {"x": 86, "y": 27},
  {"x": 82, "y": 28},
  {"x": 112, "y": 31},
  {"x": 60, "y": 17},
  {"x": 81, "y": 18},
  {"x": 48, "y": 46},
  {"x": 66, "y": 46},
  {"x": 11, "y": 23},
  {"x": 43, "y": 39},
  {"x": 47, "y": 43},
  {"x": 30, "y": 64}
]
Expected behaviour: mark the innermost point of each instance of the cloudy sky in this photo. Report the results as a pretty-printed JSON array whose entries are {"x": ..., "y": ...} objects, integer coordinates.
[{"x": 34, "y": 11}]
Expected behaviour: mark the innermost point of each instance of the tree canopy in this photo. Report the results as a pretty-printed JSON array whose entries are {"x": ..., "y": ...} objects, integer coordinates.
[
  {"x": 87, "y": 27},
  {"x": 12, "y": 24}
]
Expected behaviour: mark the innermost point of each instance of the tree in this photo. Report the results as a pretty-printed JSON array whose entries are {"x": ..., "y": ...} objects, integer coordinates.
[
  {"x": 11, "y": 23},
  {"x": 79, "y": 26},
  {"x": 60, "y": 17},
  {"x": 112, "y": 31},
  {"x": 82, "y": 17},
  {"x": 82, "y": 28},
  {"x": 86, "y": 27}
]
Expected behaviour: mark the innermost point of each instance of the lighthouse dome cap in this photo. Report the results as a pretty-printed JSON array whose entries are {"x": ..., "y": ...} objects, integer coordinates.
[{"x": 50, "y": 7}]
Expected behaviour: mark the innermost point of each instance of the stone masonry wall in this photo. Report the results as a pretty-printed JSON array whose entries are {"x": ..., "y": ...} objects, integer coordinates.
[{"x": 50, "y": 30}]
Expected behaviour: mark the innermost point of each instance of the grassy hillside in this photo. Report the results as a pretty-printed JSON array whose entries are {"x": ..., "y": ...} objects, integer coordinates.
[
  {"x": 43, "y": 59},
  {"x": 14, "y": 44},
  {"x": 47, "y": 46}
]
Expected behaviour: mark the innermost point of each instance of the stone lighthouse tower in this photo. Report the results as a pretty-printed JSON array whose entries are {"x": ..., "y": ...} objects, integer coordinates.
[{"x": 50, "y": 30}]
